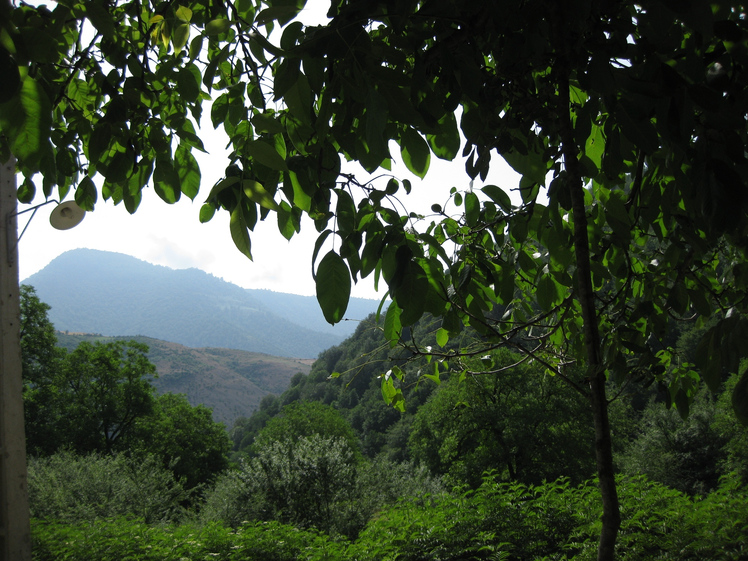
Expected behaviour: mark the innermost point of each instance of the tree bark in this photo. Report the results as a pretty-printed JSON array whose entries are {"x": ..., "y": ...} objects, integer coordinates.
[{"x": 611, "y": 517}]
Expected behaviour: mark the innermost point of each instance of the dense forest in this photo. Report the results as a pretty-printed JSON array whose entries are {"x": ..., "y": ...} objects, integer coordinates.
[{"x": 492, "y": 466}]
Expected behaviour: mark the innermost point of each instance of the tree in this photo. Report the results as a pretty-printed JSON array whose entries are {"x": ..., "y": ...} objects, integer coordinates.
[
  {"x": 93, "y": 400},
  {"x": 302, "y": 419},
  {"x": 39, "y": 351},
  {"x": 40, "y": 361},
  {"x": 684, "y": 455},
  {"x": 520, "y": 424},
  {"x": 185, "y": 438},
  {"x": 625, "y": 121}
]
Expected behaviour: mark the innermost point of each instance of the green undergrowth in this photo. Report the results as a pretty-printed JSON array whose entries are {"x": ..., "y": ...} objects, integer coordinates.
[{"x": 497, "y": 521}]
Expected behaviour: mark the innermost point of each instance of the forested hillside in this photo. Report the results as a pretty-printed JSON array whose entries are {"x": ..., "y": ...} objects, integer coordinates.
[
  {"x": 515, "y": 419},
  {"x": 230, "y": 382},
  {"x": 460, "y": 466},
  {"x": 112, "y": 294}
]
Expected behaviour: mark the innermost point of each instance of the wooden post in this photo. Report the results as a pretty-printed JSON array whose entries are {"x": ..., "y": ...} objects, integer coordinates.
[{"x": 15, "y": 532}]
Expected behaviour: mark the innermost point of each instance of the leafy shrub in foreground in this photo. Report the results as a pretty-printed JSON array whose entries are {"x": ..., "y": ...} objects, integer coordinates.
[
  {"x": 557, "y": 521},
  {"x": 289, "y": 484},
  {"x": 123, "y": 539},
  {"x": 72, "y": 488},
  {"x": 665, "y": 524},
  {"x": 496, "y": 521},
  {"x": 299, "y": 482}
]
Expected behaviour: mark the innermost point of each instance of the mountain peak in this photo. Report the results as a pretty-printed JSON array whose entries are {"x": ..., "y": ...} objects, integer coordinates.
[{"x": 115, "y": 294}]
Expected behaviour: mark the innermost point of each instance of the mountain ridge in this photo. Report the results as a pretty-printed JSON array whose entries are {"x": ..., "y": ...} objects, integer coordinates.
[{"x": 93, "y": 291}]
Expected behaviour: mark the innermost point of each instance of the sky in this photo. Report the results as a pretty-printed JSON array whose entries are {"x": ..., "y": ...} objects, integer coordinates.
[{"x": 172, "y": 235}]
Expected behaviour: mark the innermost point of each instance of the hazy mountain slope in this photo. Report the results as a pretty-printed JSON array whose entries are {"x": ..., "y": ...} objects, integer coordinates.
[
  {"x": 229, "y": 381},
  {"x": 113, "y": 294}
]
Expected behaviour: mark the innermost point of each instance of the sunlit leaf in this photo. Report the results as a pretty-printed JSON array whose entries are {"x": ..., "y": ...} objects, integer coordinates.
[
  {"x": 206, "y": 212},
  {"x": 180, "y": 35},
  {"x": 415, "y": 152},
  {"x": 392, "y": 326},
  {"x": 239, "y": 232},
  {"x": 217, "y": 26},
  {"x": 188, "y": 171},
  {"x": 183, "y": 13},
  {"x": 256, "y": 192}
]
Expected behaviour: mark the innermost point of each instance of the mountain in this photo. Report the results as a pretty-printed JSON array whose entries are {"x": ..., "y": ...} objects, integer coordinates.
[
  {"x": 230, "y": 382},
  {"x": 112, "y": 294}
]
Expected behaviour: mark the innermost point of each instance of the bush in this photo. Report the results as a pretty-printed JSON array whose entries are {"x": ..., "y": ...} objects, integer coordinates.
[
  {"x": 123, "y": 539},
  {"x": 71, "y": 488},
  {"x": 683, "y": 454},
  {"x": 298, "y": 482},
  {"x": 314, "y": 484},
  {"x": 496, "y": 521}
]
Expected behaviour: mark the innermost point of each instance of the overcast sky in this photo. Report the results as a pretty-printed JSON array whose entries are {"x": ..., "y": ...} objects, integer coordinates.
[{"x": 172, "y": 235}]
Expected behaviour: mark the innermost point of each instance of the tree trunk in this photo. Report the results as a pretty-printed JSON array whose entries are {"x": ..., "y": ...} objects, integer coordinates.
[{"x": 595, "y": 368}]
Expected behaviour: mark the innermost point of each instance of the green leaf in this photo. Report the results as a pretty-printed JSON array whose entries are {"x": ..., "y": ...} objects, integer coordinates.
[
  {"x": 166, "y": 181},
  {"x": 217, "y": 26},
  {"x": 188, "y": 82},
  {"x": 256, "y": 192},
  {"x": 239, "y": 232},
  {"x": 472, "y": 209},
  {"x": 179, "y": 36},
  {"x": 549, "y": 292},
  {"x": 333, "y": 282},
  {"x": 446, "y": 143},
  {"x": 345, "y": 212},
  {"x": 442, "y": 337},
  {"x": 26, "y": 191},
  {"x": 267, "y": 122},
  {"x": 392, "y": 326},
  {"x": 195, "y": 47},
  {"x": 183, "y": 13},
  {"x": 86, "y": 194},
  {"x": 101, "y": 18},
  {"x": 411, "y": 293},
  {"x": 188, "y": 171},
  {"x": 415, "y": 152},
  {"x": 435, "y": 376},
  {"x": 26, "y": 121},
  {"x": 533, "y": 166},
  {"x": 288, "y": 220},
  {"x": 499, "y": 196},
  {"x": 301, "y": 199},
  {"x": 265, "y": 154},
  {"x": 206, "y": 212}
]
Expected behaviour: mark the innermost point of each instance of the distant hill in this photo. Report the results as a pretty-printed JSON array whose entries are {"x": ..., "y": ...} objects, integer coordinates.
[
  {"x": 231, "y": 382},
  {"x": 112, "y": 294}
]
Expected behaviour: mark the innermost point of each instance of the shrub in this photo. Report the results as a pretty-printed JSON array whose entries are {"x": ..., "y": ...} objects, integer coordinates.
[
  {"x": 124, "y": 539},
  {"x": 298, "y": 482},
  {"x": 71, "y": 488}
]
